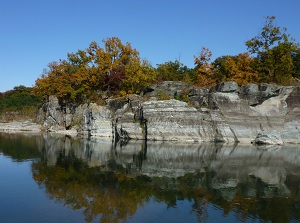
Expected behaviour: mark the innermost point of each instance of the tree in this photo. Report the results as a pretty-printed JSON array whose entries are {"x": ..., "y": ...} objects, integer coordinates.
[
  {"x": 273, "y": 48},
  {"x": 18, "y": 98},
  {"x": 296, "y": 63},
  {"x": 114, "y": 68},
  {"x": 119, "y": 57},
  {"x": 138, "y": 76},
  {"x": 236, "y": 68},
  {"x": 269, "y": 36},
  {"x": 204, "y": 68},
  {"x": 173, "y": 71}
]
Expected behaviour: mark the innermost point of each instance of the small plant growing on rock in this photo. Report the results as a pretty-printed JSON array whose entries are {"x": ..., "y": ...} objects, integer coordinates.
[{"x": 163, "y": 96}]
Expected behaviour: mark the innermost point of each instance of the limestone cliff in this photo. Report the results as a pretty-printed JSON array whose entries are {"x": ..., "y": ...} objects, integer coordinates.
[{"x": 173, "y": 111}]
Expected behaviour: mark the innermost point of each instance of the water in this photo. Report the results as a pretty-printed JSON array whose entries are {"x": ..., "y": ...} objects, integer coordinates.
[{"x": 52, "y": 178}]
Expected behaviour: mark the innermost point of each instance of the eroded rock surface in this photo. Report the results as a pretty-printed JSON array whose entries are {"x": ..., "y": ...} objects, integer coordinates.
[{"x": 225, "y": 113}]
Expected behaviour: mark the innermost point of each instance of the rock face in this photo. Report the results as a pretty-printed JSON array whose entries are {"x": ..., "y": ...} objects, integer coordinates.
[
  {"x": 262, "y": 114},
  {"x": 97, "y": 121}
]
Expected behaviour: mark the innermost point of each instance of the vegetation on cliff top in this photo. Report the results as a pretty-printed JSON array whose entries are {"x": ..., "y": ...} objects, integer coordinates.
[
  {"x": 117, "y": 69},
  {"x": 273, "y": 56}
]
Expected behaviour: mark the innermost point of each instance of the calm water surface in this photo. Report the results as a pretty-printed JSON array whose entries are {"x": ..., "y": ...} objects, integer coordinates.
[{"x": 51, "y": 178}]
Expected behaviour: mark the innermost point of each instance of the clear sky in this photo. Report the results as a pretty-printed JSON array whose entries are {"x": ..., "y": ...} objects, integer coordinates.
[{"x": 34, "y": 33}]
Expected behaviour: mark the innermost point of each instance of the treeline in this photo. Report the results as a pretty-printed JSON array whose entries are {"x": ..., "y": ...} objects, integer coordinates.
[
  {"x": 273, "y": 56},
  {"x": 19, "y": 103},
  {"x": 19, "y": 97}
]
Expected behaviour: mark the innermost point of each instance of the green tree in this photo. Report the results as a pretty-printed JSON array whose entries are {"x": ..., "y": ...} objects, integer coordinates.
[
  {"x": 19, "y": 97},
  {"x": 274, "y": 49},
  {"x": 269, "y": 36},
  {"x": 296, "y": 63},
  {"x": 174, "y": 71},
  {"x": 19, "y": 103}
]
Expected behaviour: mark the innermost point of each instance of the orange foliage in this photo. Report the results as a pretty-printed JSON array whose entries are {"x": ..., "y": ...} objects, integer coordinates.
[
  {"x": 115, "y": 67},
  {"x": 240, "y": 69},
  {"x": 204, "y": 68}
]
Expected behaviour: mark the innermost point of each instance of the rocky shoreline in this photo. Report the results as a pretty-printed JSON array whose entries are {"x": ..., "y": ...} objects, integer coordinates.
[
  {"x": 27, "y": 126},
  {"x": 175, "y": 111}
]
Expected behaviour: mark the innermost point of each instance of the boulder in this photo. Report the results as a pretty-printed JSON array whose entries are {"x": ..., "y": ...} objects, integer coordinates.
[
  {"x": 268, "y": 139},
  {"x": 250, "y": 92},
  {"x": 170, "y": 89},
  {"x": 198, "y": 97},
  {"x": 230, "y": 86}
]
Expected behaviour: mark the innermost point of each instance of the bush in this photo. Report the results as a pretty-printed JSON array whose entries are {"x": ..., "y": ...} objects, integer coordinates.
[{"x": 18, "y": 103}]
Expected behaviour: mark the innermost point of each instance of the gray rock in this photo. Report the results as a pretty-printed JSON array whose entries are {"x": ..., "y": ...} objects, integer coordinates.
[
  {"x": 223, "y": 114},
  {"x": 54, "y": 115},
  {"x": 97, "y": 121},
  {"x": 251, "y": 89},
  {"x": 230, "y": 86},
  {"x": 198, "y": 97},
  {"x": 250, "y": 92},
  {"x": 268, "y": 138},
  {"x": 24, "y": 126},
  {"x": 176, "y": 121},
  {"x": 167, "y": 88}
]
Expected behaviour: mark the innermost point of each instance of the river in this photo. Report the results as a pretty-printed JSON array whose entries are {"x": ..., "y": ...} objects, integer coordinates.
[{"x": 55, "y": 178}]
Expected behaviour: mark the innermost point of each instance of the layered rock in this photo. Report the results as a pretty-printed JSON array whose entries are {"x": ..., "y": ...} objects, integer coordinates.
[
  {"x": 25, "y": 126},
  {"x": 97, "y": 121},
  {"x": 175, "y": 120},
  {"x": 226, "y": 113}
]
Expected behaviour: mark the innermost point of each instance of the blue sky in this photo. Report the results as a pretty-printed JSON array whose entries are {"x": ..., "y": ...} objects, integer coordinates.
[{"x": 35, "y": 33}]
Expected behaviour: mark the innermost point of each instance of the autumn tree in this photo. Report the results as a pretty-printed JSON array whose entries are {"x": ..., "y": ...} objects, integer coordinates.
[
  {"x": 139, "y": 76},
  {"x": 63, "y": 80},
  {"x": 114, "y": 68},
  {"x": 273, "y": 48},
  {"x": 119, "y": 68},
  {"x": 238, "y": 68},
  {"x": 204, "y": 68}
]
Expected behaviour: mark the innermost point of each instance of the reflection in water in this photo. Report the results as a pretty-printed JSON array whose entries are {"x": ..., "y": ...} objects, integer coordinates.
[{"x": 113, "y": 182}]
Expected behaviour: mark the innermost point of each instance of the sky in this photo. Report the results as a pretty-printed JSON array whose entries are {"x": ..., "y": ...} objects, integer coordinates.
[{"x": 34, "y": 33}]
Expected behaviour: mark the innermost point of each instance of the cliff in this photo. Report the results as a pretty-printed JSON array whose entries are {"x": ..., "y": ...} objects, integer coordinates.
[{"x": 174, "y": 111}]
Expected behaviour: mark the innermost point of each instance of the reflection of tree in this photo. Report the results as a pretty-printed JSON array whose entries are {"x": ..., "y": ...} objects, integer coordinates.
[
  {"x": 110, "y": 193},
  {"x": 97, "y": 190},
  {"x": 114, "y": 192},
  {"x": 201, "y": 201},
  {"x": 19, "y": 148}
]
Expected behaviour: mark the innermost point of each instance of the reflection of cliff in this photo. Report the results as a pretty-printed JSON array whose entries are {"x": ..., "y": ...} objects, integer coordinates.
[
  {"x": 228, "y": 165},
  {"x": 112, "y": 182}
]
